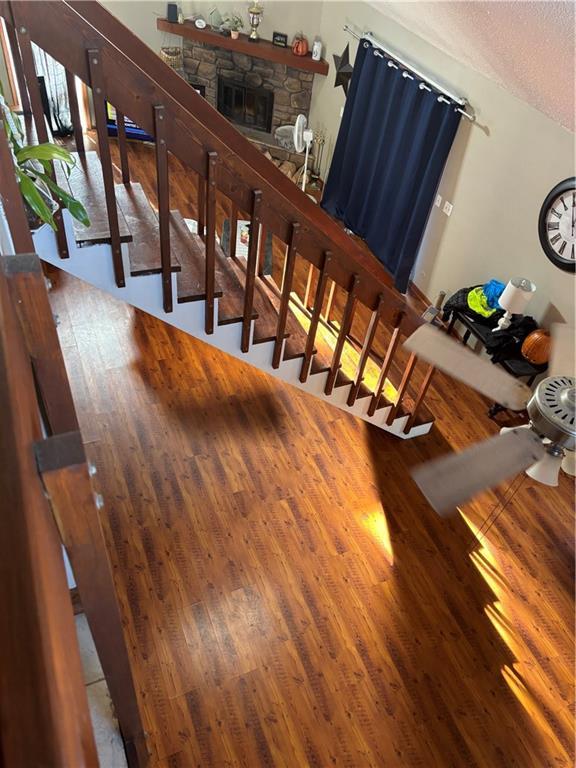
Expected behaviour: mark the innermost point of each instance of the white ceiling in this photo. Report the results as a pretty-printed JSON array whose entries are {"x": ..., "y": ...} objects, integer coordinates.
[{"x": 526, "y": 47}]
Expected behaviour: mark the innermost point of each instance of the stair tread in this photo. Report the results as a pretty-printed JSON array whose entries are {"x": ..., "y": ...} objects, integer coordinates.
[
  {"x": 228, "y": 280},
  {"x": 297, "y": 334},
  {"x": 363, "y": 391},
  {"x": 231, "y": 305},
  {"x": 85, "y": 183},
  {"x": 144, "y": 250},
  {"x": 342, "y": 380}
]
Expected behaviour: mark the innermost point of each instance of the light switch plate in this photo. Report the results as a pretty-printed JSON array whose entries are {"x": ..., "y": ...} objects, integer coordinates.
[
  {"x": 447, "y": 208},
  {"x": 438, "y": 201}
]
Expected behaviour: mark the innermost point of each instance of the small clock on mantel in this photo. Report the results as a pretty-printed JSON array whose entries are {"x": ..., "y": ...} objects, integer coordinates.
[{"x": 557, "y": 225}]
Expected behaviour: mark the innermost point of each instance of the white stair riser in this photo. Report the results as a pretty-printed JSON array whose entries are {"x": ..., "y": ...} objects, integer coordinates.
[{"x": 93, "y": 264}]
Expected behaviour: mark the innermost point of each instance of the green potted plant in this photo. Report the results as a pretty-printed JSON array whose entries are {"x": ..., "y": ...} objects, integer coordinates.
[
  {"x": 234, "y": 23},
  {"x": 33, "y": 166}
]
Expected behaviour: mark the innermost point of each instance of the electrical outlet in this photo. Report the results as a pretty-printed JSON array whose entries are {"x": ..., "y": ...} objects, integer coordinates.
[
  {"x": 447, "y": 208},
  {"x": 438, "y": 201}
]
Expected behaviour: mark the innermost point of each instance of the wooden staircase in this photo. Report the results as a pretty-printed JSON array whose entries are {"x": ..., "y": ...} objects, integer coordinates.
[
  {"x": 138, "y": 226},
  {"x": 151, "y": 259}
]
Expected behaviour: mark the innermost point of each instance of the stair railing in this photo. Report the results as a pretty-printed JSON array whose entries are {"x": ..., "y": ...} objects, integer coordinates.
[
  {"x": 43, "y": 704},
  {"x": 93, "y": 45},
  {"x": 47, "y": 503}
]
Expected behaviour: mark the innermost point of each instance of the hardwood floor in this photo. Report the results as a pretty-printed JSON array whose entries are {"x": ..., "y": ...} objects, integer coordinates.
[{"x": 289, "y": 598}]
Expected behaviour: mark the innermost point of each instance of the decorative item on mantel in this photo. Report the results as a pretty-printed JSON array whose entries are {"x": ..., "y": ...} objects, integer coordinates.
[
  {"x": 317, "y": 49},
  {"x": 233, "y": 23},
  {"x": 255, "y": 16},
  {"x": 280, "y": 39},
  {"x": 299, "y": 45}
]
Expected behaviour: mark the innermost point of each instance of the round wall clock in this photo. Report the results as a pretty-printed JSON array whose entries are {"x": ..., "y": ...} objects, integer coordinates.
[{"x": 557, "y": 225}]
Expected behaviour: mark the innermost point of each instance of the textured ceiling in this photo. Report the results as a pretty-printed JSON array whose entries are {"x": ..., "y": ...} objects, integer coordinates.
[{"x": 526, "y": 47}]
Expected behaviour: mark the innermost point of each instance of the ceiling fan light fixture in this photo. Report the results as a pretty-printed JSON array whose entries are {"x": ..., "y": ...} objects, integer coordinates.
[{"x": 547, "y": 470}]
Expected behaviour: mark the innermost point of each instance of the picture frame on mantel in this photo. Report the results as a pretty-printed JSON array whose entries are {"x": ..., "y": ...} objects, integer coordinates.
[{"x": 280, "y": 39}]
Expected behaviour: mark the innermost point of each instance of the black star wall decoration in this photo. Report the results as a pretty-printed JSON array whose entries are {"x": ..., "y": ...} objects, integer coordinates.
[{"x": 343, "y": 70}]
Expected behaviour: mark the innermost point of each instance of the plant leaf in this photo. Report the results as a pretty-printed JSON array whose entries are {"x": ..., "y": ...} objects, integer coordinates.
[
  {"x": 34, "y": 199},
  {"x": 43, "y": 152},
  {"x": 75, "y": 207}
]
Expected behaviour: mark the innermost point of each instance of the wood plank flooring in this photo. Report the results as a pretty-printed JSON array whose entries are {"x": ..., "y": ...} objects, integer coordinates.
[{"x": 289, "y": 598}]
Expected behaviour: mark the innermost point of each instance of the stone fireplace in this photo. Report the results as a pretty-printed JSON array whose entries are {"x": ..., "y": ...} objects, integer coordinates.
[{"x": 236, "y": 84}]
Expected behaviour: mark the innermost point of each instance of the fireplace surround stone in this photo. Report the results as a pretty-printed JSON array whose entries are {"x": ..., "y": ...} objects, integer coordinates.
[{"x": 292, "y": 88}]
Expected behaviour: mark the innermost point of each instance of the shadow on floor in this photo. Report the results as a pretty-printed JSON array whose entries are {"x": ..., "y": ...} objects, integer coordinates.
[{"x": 456, "y": 663}]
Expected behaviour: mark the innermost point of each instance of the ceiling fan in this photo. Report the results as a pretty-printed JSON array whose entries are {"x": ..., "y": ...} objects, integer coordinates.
[{"x": 539, "y": 447}]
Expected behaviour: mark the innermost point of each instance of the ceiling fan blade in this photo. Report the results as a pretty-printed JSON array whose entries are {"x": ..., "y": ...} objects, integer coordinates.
[
  {"x": 562, "y": 361},
  {"x": 440, "y": 350},
  {"x": 453, "y": 479}
]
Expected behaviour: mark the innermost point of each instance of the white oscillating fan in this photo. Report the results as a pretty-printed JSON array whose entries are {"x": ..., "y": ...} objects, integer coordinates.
[{"x": 302, "y": 140}]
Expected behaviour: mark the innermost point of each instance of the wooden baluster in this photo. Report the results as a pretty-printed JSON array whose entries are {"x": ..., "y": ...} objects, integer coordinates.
[
  {"x": 402, "y": 388},
  {"x": 123, "y": 146},
  {"x": 210, "y": 241},
  {"x": 251, "y": 269},
  {"x": 12, "y": 201},
  {"x": 366, "y": 348},
  {"x": 75, "y": 112},
  {"x": 318, "y": 302},
  {"x": 308, "y": 290},
  {"x": 419, "y": 398},
  {"x": 31, "y": 77},
  {"x": 341, "y": 340},
  {"x": 29, "y": 70},
  {"x": 286, "y": 289},
  {"x": 99, "y": 100},
  {"x": 262, "y": 250},
  {"x": 163, "y": 204},
  {"x": 18, "y": 68},
  {"x": 201, "y": 202},
  {"x": 233, "y": 230},
  {"x": 330, "y": 301},
  {"x": 386, "y": 365}
]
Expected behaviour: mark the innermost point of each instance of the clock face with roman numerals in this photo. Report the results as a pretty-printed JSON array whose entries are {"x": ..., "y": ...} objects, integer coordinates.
[{"x": 557, "y": 225}]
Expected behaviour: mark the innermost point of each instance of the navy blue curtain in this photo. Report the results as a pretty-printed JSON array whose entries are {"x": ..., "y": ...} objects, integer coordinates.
[{"x": 392, "y": 146}]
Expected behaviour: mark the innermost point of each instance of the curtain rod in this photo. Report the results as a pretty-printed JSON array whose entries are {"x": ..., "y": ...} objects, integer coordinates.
[{"x": 411, "y": 68}]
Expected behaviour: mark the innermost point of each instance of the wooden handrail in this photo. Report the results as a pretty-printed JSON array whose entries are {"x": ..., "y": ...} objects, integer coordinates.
[
  {"x": 43, "y": 705},
  {"x": 72, "y": 511},
  {"x": 136, "y": 79},
  {"x": 94, "y": 46}
]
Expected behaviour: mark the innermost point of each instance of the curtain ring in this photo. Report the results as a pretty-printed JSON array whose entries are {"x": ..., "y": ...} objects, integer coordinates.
[
  {"x": 366, "y": 44},
  {"x": 377, "y": 53},
  {"x": 406, "y": 74},
  {"x": 424, "y": 87},
  {"x": 391, "y": 64},
  {"x": 441, "y": 98}
]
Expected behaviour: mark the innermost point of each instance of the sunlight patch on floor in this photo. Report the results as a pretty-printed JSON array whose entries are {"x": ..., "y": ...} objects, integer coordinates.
[
  {"x": 376, "y": 524},
  {"x": 536, "y": 697}
]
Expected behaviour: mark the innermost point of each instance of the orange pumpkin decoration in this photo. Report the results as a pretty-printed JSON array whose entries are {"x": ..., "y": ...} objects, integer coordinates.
[
  {"x": 536, "y": 347},
  {"x": 300, "y": 45}
]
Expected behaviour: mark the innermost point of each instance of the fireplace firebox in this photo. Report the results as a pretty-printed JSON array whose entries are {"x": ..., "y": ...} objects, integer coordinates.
[{"x": 250, "y": 107}]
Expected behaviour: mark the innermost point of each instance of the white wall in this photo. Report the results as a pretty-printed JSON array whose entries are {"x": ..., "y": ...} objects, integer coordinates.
[
  {"x": 279, "y": 15},
  {"x": 499, "y": 172}
]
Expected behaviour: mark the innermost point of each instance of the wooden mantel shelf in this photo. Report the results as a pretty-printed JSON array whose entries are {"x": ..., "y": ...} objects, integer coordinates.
[{"x": 263, "y": 49}]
